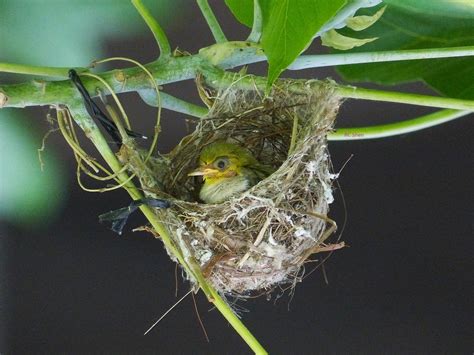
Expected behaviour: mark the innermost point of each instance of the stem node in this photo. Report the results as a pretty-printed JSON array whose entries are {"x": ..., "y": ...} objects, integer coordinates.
[{"x": 3, "y": 99}]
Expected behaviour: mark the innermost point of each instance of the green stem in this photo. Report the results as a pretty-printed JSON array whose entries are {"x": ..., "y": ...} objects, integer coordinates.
[
  {"x": 92, "y": 131},
  {"x": 173, "y": 103},
  {"x": 177, "y": 69},
  {"x": 404, "y": 98},
  {"x": 257, "y": 23},
  {"x": 131, "y": 79},
  {"x": 324, "y": 60},
  {"x": 212, "y": 22},
  {"x": 55, "y": 72},
  {"x": 393, "y": 129},
  {"x": 236, "y": 323},
  {"x": 232, "y": 54},
  {"x": 220, "y": 79},
  {"x": 155, "y": 28},
  {"x": 340, "y": 134}
]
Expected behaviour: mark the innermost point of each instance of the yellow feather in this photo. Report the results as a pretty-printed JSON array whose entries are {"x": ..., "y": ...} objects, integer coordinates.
[{"x": 228, "y": 170}]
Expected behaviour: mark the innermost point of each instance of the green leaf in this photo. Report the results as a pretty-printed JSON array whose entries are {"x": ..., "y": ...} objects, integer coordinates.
[
  {"x": 359, "y": 23},
  {"x": 417, "y": 24},
  {"x": 289, "y": 27},
  {"x": 335, "y": 40},
  {"x": 242, "y": 10},
  {"x": 27, "y": 194}
]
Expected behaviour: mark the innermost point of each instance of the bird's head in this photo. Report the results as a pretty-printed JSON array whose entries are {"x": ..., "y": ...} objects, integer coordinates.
[{"x": 221, "y": 160}]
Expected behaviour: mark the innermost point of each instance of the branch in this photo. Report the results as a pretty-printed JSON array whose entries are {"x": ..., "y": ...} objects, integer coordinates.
[
  {"x": 55, "y": 72},
  {"x": 257, "y": 23},
  {"x": 173, "y": 103},
  {"x": 155, "y": 28},
  {"x": 404, "y": 98},
  {"x": 212, "y": 22},
  {"x": 340, "y": 134},
  {"x": 394, "y": 129},
  {"x": 324, "y": 60},
  {"x": 232, "y": 54},
  {"x": 210, "y": 61},
  {"x": 37, "y": 93},
  {"x": 219, "y": 79}
]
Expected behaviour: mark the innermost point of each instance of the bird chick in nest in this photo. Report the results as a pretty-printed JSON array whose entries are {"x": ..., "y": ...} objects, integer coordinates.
[{"x": 228, "y": 170}]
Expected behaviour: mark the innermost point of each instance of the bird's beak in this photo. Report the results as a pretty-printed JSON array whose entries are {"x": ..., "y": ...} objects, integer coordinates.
[{"x": 204, "y": 171}]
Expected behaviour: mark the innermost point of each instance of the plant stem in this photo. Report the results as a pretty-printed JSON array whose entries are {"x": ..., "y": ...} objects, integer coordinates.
[
  {"x": 324, "y": 60},
  {"x": 55, "y": 72},
  {"x": 393, "y": 129},
  {"x": 404, "y": 98},
  {"x": 93, "y": 133},
  {"x": 340, "y": 134},
  {"x": 257, "y": 23},
  {"x": 176, "y": 69},
  {"x": 219, "y": 79},
  {"x": 126, "y": 80},
  {"x": 173, "y": 103},
  {"x": 236, "y": 323},
  {"x": 212, "y": 22},
  {"x": 254, "y": 54},
  {"x": 155, "y": 28}
]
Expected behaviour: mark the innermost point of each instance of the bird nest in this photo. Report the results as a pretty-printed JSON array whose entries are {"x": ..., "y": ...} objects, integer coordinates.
[{"x": 262, "y": 238}]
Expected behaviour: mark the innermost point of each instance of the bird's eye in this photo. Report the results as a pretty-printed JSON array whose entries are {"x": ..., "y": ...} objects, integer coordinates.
[{"x": 221, "y": 163}]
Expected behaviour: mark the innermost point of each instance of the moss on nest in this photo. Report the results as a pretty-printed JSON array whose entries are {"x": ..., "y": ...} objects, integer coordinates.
[{"x": 262, "y": 238}]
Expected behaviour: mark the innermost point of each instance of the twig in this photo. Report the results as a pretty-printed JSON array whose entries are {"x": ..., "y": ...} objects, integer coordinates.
[
  {"x": 257, "y": 23},
  {"x": 155, "y": 28},
  {"x": 404, "y": 98},
  {"x": 212, "y": 22},
  {"x": 325, "y": 60},
  {"x": 56, "y": 72},
  {"x": 393, "y": 129}
]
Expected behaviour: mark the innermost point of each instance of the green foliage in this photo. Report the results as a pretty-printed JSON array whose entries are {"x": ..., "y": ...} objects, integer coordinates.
[
  {"x": 27, "y": 194},
  {"x": 242, "y": 10},
  {"x": 417, "y": 24},
  {"x": 66, "y": 33},
  {"x": 334, "y": 39},
  {"x": 360, "y": 23},
  {"x": 53, "y": 33},
  {"x": 289, "y": 27}
]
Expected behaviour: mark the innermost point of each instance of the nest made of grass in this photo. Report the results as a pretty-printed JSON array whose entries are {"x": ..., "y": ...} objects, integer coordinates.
[{"x": 260, "y": 239}]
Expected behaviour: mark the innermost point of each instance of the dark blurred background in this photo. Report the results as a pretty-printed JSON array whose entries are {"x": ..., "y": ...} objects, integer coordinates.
[{"x": 70, "y": 285}]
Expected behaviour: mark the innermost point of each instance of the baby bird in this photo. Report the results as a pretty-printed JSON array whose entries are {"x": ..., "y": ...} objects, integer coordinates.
[{"x": 227, "y": 169}]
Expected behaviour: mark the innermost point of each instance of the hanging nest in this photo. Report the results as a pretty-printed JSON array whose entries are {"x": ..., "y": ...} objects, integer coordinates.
[{"x": 260, "y": 239}]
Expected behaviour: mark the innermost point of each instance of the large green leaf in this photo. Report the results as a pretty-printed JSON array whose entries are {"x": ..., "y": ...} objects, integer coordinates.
[
  {"x": 242, "y": 10},
  {"x": 416, "y": 24},
  {"x": 289, "y": 27}
]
